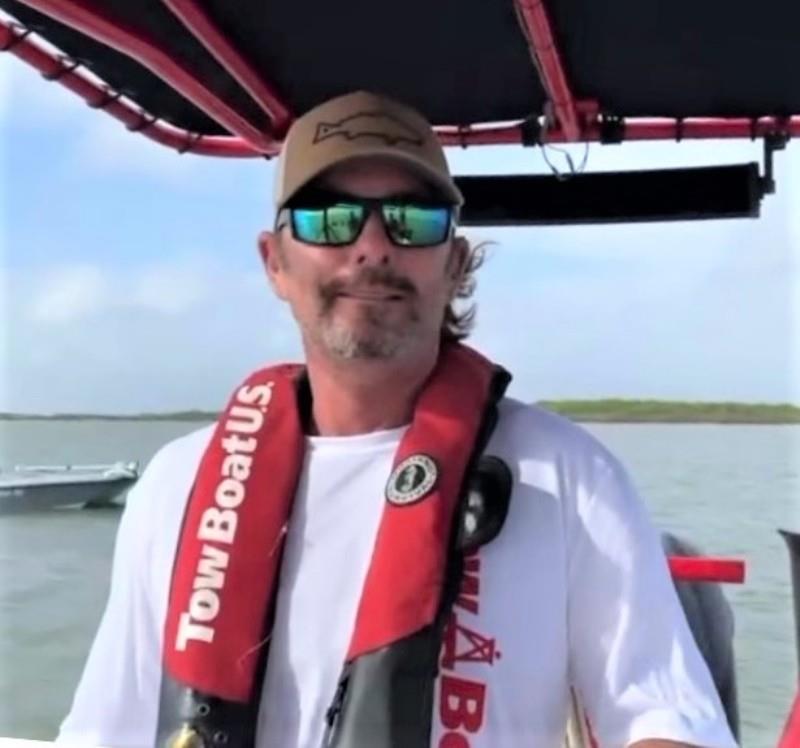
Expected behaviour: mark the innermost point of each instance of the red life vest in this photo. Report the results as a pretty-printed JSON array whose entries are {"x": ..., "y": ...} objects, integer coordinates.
[{"x": 226, "y": 570}]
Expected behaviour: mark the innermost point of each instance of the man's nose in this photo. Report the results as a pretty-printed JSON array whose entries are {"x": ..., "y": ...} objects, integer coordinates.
[{"x": 373, "y": 246}]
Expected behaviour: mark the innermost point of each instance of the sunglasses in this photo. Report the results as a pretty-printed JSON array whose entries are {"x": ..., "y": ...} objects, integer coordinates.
[{"x": 337, "y": 220}]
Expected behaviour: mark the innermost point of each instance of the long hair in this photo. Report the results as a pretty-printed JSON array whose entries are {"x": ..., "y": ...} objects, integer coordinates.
[{"x": 457, "y": 325}]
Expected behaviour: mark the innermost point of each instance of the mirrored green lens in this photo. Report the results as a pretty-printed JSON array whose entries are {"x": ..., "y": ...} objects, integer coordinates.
[
  {"x": 417, "y": 225},
  {"x": 335, "y": 224}
]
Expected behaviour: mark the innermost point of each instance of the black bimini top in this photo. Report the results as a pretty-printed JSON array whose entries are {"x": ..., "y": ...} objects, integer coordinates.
[
  {"x": 461, "y": 62},
  {"x": 225, "y": 78}
]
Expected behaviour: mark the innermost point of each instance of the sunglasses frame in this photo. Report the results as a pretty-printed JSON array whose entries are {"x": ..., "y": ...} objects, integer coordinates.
[{"x": 370, "y": 205}]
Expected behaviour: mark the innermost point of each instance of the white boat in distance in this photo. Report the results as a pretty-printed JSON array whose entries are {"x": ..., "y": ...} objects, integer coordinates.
[{"x": 29, "y": 488}]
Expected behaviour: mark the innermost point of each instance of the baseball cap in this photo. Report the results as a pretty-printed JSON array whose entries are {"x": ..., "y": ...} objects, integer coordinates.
[{"x": 359, "y": 125}]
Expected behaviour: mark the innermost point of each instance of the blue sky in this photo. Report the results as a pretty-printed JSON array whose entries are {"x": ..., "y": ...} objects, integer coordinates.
[{"x": 130, "y": 279}]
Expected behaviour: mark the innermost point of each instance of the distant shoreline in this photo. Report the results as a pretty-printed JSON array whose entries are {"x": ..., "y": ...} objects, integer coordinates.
[
  {"x": 587, "y": 411},
  {"x": 667, "y": 411}
]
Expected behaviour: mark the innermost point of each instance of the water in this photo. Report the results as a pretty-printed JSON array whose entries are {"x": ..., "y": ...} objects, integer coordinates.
[{"x": 727, "y": 488}]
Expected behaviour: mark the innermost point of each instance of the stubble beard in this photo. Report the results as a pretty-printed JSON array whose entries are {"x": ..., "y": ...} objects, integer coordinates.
[
  {"x": 379, "y": 333},
  {"x": 375, "y": 338}
]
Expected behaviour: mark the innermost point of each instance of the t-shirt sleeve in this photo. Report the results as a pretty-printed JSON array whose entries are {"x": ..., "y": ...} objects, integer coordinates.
[
  {"x": 633, "y": 660},
  {"x": 116, "y": 702}
]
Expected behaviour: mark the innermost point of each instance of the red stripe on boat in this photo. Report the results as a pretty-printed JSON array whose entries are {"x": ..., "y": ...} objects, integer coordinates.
[{"x": 707, "y": 569}]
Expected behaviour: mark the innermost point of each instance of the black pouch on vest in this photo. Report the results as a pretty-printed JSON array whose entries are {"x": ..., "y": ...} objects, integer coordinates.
[{"x": 385, "y": 698}]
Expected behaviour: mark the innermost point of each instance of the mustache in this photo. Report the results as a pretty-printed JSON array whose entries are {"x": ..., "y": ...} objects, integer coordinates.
[{"x": 368, "y": 278}]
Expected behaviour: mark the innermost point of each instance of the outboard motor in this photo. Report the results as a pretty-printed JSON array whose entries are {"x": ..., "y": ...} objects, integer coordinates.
[{"x": 711, "y": 621}]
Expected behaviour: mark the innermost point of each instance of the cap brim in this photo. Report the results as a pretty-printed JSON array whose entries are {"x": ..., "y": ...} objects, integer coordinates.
[{"x": 446, "y": 187}]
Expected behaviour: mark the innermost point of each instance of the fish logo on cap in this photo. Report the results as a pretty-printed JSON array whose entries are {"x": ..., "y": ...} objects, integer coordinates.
[{"x": 379, "y": 125}]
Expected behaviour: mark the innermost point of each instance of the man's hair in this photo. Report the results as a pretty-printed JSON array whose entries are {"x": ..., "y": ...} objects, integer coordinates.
[{"x": 458, "y": 325}]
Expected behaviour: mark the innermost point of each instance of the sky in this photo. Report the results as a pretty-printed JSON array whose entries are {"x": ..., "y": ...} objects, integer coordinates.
[{"x": 130, "y": 280}]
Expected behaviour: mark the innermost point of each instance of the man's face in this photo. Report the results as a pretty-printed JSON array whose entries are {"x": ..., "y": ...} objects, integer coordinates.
[{"x": 370, "y": 299}]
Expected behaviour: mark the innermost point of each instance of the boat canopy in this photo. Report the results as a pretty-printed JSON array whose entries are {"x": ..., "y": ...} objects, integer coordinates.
[{"x": 225, "y": 78}]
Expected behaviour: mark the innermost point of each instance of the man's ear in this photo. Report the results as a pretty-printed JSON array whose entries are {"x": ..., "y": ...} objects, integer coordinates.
[{"x": 271, "y": 255}]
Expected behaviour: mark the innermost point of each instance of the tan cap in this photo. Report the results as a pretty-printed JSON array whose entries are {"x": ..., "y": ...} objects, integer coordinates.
[{"x": 355, "y": 126}]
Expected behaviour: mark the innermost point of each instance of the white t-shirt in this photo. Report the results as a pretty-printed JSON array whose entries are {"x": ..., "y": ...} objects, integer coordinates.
[{"x": 574, "y": 593}]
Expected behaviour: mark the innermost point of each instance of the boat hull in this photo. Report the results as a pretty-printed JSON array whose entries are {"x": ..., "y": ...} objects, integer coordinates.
[{"x": 36, "y": 498}]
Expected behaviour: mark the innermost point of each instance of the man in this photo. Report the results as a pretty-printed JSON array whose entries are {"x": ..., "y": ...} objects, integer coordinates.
[{"x": 313, "y": 528}]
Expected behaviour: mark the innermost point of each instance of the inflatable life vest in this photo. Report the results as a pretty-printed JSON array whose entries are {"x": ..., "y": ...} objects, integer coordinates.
[{"x": 443, "y": 499}]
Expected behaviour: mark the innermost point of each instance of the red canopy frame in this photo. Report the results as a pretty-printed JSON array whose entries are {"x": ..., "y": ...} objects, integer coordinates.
[
  {"x": 572, "y": 120},
  {"x": 205, "y": 30},
  {"x": 538, "y": 31},
  {"x": 692, "y": 128},
  {"x": 98, "y": 25},
  {"x": 15, "y": 39}
]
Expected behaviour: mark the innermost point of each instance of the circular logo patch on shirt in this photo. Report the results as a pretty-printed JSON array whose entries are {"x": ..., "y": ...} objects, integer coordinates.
[{"x": 412, "y": 480}]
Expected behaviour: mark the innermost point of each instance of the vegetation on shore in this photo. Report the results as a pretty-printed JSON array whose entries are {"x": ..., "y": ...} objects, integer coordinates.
[
  {"x": 667, "y": 411},
  {"x": 609, "y": 411},
  {"x": 180, "y": 415}
]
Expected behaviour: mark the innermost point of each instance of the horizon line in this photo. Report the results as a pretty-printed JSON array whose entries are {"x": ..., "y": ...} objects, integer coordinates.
[{"x": 197, "y": 412}]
